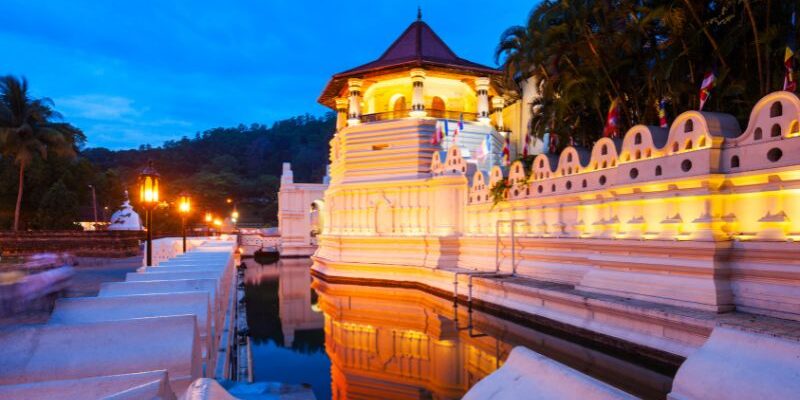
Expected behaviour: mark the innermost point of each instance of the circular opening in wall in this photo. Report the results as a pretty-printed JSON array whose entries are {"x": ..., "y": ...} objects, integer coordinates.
[
  {"x": 540, "y": 189},
  {"x": 686, "y": 165},
  {"x": 774, "y": 154},
  {"x": 569, "y": 185},
  {"x": 603, "y": 180},
  {"x": 634, "y": 173}
]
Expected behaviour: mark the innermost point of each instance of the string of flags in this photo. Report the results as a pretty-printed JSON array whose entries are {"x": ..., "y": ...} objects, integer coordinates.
[{"x": 662, "y": 113}]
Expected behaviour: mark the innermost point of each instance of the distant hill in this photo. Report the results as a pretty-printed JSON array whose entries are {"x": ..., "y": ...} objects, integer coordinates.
[{"x": 242, "y": 163}]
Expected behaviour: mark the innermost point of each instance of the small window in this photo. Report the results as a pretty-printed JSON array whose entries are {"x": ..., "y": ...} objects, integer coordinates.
[
  {"x": 658, "y": 170},
  {"x": 637, "y": 139},
  {"x": 569, "y": 185},
  {"x": 776, "y": 110},
  {"x": 638, "y": 154},
  {"x": 602, "y": 179},
  {"x": 686, "y": 165},
  {"x": 735, "y": 162},
  {"x": 528, "y": 191},
  {"x": 583, "y": 184},
  {"x": 541, "y": 163},
  {"x": 516, "y": 192},
  {"x": 604, "y": 150},
  {"x": 569, "y": 157},
  {"x": 649, "y": 153},
  {"x": 689, "y": 145},
  {"x": 634, "y": 173},
  {"x": 774, "y": 154},
  {"x": 757, "y": 134},
  {"x": 776, "y": 130},
  {"x": 605, "y": 165},
  {"x": 675, "y": 147},
  {"x": 540, "y": 189},
  {"x": 688, "y": 126},
  {"x": 702, "y": 142},
  {"x": 553, "y": 188}
]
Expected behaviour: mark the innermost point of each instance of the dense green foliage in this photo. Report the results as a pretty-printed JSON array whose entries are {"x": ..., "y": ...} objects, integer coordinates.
[
  {"x": 32, "y": 140},
  {"x": 584, "y": 54},
  {"x": 242, "y": 163}
]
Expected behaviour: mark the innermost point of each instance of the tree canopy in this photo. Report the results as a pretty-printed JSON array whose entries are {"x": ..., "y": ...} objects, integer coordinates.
[{"x": 582, "y": 55}]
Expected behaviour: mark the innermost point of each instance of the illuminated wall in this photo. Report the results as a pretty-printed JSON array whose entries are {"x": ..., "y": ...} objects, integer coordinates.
[{"x": 701, "y": 215}]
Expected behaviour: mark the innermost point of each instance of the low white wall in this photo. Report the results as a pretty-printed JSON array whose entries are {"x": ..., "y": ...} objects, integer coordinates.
[
  {"x": 59, "y": 352},
  {"x": 141, "y": 385},
  {"x": 530, "y": 375},
  {"x": 734, "y": 365}
]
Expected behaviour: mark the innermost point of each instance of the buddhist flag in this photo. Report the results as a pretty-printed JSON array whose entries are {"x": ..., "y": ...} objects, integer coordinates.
[
  {"x": 662, "y": 113},
  {"x": 437, "y": 134},
  {"x": 526, "y": 147},
  {"x": 705, "y": 87},
  {"x": 483, "y": 149},
  {"x": 507, "y": 151},
  {"x": 789, "y": 82},
  {"x": 553, "y": 143},
  {"x": 612, "y": 120}
]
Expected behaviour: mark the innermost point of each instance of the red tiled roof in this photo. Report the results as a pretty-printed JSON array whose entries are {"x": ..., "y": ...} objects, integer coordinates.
[{"x": 417, "y": 46}]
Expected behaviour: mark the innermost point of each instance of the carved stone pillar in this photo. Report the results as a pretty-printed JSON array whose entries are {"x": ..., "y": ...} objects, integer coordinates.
[
  {"x": 418, "y": 93},
  {"x": 482, "y": 89},
  {"x": 354, "y": 87}
]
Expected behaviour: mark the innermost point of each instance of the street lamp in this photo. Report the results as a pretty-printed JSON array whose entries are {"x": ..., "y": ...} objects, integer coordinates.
[
  {"x": 148, "y": 196},
  {"x": 209, "y": 220},
  {"x": 184, "y": 207},
  {"x": 218, "y": 224}
]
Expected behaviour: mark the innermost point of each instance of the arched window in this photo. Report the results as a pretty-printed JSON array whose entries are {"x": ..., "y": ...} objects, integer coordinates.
[
  {"x": 638, "y": 154},
  {"x": 399, "y": 104},
  {"x": 702, "y": 142},
  {"x": 688, "y": 126},
  {"x": 638, "y": 138},
  {"x": 658, "y": 170},
  {"x": 776, "y": 130},
  {"x": 675, "y": 147},
  {"x": 689, "y": 144},
  {"x": 569, "y": 157},
  {"x": 604, "y": 150},
  {"x": 437, "y": 104},
  {"x": 757, "y": 134},
  {"x": 776, "y": 110},
  {"x": 735, "y": 162}
]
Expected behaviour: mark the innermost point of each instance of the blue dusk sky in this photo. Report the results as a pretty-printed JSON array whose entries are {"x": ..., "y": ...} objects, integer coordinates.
[{"x": 142, "y": 72}]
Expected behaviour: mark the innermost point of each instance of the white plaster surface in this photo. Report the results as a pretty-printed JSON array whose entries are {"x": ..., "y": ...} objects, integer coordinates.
[
  {"x": 530, "y": 375},
  {"x": 59, "y": 352},
  {"x": 140, "y": 385},
  {"x": 735, "y": 364}
]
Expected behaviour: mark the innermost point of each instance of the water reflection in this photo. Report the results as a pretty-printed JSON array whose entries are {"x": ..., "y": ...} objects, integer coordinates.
[
  {"x": 391, "y": 343},
  {"x": 286, "y": 333}
]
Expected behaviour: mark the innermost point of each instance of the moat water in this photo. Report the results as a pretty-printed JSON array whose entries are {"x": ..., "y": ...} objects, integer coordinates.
[{"x": 353, "y": 341}]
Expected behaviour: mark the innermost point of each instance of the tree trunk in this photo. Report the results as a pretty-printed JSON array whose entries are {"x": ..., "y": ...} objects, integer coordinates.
[
  {"x": 19, "y": 196},
  {"x": 754, "y": 27}
]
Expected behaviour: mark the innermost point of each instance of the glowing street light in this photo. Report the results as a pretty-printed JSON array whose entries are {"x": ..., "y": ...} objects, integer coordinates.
[
  {"x": 148, "y": 197},
  {"x": 209, "y": 219},
  {"x": 184, "y": 207}
]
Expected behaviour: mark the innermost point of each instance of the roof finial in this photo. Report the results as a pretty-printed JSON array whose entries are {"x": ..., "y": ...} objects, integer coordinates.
[{"x": 419, "y": 13}]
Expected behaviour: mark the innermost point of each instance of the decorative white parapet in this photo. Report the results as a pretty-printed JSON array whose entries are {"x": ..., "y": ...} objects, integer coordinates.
[
  {"x": 530, "y": 375},
  {"x": 734, "y": 365}
]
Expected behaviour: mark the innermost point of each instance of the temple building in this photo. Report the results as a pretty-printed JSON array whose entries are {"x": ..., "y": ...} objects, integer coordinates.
[{"x": 420, "y": 78}]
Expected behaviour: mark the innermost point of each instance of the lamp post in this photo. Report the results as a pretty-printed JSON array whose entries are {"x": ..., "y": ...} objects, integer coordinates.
[
  {"x": 209, "y": 220},
  {"x": 184, "y": 206},
  {"x": 148, "y": 196}
]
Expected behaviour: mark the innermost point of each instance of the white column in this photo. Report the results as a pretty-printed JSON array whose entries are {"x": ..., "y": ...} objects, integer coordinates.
[
  {"x": 354, "y": 87},
  {"x": 497, "y": 106},
  {"x": 482, "y": 89},
  {"x": 418, "y": 93},
  {"x": 341, "y": 113}
]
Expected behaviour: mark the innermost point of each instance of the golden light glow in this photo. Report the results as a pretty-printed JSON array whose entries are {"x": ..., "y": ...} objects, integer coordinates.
[
  {"x": 148, "y": 186},
  {"x": 218, "y": 222},
  {"x": 235, "y": 214},
  {"x": 184, "y": 203},
  {"x": 209, "y": 217},
  {"x": 229, "y": 200}
]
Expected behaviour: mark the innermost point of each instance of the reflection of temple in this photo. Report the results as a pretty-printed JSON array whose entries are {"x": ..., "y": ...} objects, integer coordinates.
[
  {"x": 406, "y": 344},
  {"x": 297, "y": 308}
]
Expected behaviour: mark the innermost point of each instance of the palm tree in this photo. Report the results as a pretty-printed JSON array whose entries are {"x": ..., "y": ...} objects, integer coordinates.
[{"x": 29, "y": 129}]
